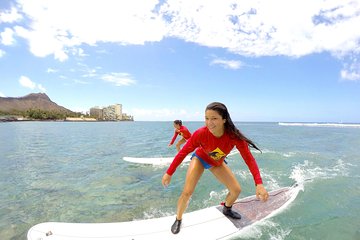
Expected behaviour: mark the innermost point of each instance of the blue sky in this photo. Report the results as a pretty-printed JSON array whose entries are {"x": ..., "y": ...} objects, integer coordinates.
[{"x": 270, "y": 60}]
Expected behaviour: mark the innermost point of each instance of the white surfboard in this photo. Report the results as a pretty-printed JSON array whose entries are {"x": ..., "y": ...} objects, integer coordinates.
[
  {"x": 153, "y": 160},
  {"x": 160, "y": 160},
  {"x": 209, "y": 223}
]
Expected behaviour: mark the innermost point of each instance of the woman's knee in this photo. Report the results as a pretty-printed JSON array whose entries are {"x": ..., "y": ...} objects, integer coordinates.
[
  {"x": 236, "y": 189},
  {"x": 187, "y": 193},
  {"x": 178, "y": 144}
]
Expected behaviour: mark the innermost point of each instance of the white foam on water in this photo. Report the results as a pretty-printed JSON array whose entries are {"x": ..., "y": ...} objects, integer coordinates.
[
  {"x": 233, "y": 152},
  {"x": 268, "y": 151},
  {"x": 308, "y": 171},
  {"x": 155, "y": 213},
  {"x": 280, "y": 234},
  {"x": 242, "y": 173},
  {"x": 342, "y": 125},
  {"x": 289, "y": 154},
  {"x": 265, "y": 150},
  {"x": 215, "y": 196},
  {"x": 256, "y": 231},
  {"x": 271, "y": 181}
]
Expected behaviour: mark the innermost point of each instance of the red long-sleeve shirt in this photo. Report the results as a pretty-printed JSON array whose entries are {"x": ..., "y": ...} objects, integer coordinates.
[
  {"x": 213, "y": 150},
  {"x": 183, "y": 131}
]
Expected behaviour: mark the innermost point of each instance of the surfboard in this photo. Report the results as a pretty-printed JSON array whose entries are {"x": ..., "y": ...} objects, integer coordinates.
[
  {"x": 160, "y": 160},
  {"x": 209, "y": 223},
  {"x": 153, "y": 160}
]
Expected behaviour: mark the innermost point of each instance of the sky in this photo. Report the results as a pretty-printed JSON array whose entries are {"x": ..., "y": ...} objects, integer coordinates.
[{"x": 274, "y": 60}]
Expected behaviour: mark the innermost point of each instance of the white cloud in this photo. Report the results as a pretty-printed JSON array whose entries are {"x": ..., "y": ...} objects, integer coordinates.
[
  {"x": 164, "y": 114},
  {"x": 119, "y": 79},
  {"x": 81, "y": 81},
  {"x": 2, "y": 53},
  {"x": 228, "y": 64},
  {"x": 51, "y": 70},
  {"x": 350, "y": 75},
  {"x": 249, "y": 28},
  {"x": 124, "y": 22},
  {"x": 41, "y": 88},
  {"x": 80, "y": 52},
  {"x": 260, "y": 28},
  {"x": 44, "y": 42},
  {"x": 351, "y": 69},
  {"x": 27, "y": 83},
  {"x": 10, "y": 16},
  {"x": 2, "y": 95},
  {"x": 7, "y": 37},
  {"x": 89, "y": 73}
]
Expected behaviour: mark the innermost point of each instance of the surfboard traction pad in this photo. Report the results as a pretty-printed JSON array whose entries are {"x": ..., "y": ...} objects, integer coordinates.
[{"x": 252, "y": 209}]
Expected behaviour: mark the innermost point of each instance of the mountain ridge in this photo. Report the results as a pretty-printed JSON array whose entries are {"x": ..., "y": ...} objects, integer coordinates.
[{"x": 11, "y": 105}]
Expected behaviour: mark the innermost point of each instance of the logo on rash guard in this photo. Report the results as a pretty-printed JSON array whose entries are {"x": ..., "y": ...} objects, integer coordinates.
[{"x": 217, "y": 154}]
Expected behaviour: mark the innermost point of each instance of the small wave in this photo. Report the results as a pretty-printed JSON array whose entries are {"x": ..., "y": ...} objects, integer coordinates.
[
  {"x": 254, "y": 231},
  {"x": 289, "y": 154},
  {"x": 155, "y": 213},
  {"x": 280, "y": 234},
  {"x": 267, "y": 151},
  {"x": 215, "y": 197},
  {"x": 307, "y": 171},
  {"x": 342, "y": 125},
  {"x": 266, "y": 227},
  {"x": 272, "y": 182}
]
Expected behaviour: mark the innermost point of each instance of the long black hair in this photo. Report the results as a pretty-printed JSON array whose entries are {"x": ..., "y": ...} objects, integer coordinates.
[
  {"x": 230, "y": 127},
  {"x": 178, "y": 122}
]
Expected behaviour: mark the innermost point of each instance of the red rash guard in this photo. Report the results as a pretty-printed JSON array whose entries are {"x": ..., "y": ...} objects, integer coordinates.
[
  {"x": 183, "y": 131},
  {"x": 213, "y": 150}
]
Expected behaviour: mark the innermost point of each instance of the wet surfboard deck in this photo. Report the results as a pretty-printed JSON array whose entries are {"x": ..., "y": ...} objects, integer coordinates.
[
  {"x": 210, "y": 223},
  {"x": 160, "y": 160},
  {"x": 153, "y": 160}
]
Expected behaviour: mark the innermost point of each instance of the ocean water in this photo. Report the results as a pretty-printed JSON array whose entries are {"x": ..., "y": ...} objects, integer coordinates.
[{"x": 74, "y": 172}]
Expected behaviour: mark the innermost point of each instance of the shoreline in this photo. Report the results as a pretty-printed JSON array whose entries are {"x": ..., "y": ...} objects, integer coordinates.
[{"x": 60, "y": 120}]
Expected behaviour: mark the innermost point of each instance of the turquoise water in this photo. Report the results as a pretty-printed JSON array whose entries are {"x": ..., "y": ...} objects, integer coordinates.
[{"x": 74, "y": 172}]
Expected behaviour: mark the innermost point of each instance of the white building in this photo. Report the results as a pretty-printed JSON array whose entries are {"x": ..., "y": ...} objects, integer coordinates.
[{"x": 113, "y": 112}]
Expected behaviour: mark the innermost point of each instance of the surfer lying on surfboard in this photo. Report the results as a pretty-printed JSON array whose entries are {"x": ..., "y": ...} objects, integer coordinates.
[
  {"x": 182, "y": 131},
  {"x": 212, "y": 143}
]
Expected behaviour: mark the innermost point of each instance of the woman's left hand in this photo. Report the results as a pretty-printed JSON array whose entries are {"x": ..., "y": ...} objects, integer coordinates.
[
  {"x": 261, "y": 193},
  {"x": 166, "y": 179}
]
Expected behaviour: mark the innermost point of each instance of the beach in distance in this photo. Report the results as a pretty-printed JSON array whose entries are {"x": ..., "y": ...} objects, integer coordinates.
[{"x": 75, "y": 172}]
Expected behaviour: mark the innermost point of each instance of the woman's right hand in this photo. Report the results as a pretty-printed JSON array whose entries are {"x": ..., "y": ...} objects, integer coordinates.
[{"x": 166, "y": 180}]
